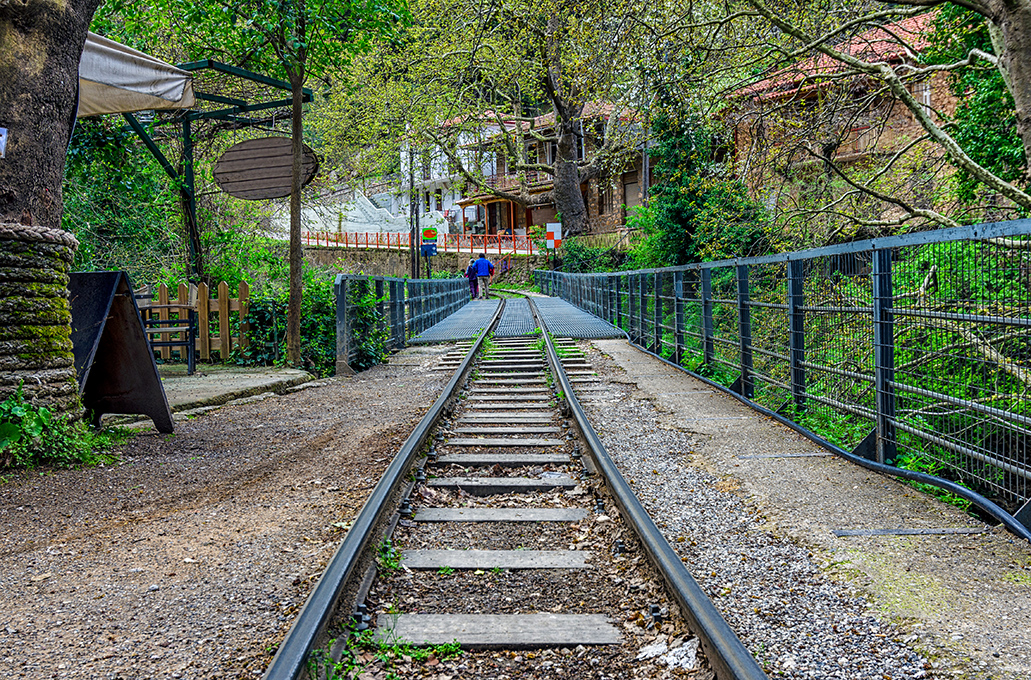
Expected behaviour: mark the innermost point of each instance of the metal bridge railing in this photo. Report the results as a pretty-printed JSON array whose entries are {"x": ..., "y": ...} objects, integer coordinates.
[
  {"x": 912, "y": 350},
  {"x": 403, "y": 308}
]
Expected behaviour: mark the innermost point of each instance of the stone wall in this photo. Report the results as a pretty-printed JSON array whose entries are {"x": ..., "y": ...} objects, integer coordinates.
[
  {"x": 35, "y": 337},
  {"x": 386, "y": 262}
]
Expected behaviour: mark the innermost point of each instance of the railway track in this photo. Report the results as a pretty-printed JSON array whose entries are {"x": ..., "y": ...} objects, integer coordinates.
[{"x": 503, "y": 528}]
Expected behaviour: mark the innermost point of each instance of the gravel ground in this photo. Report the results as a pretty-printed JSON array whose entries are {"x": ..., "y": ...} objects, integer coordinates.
[
  {"x": 622, "y": 586},
  {"x": 756, "y": 534},
  {"x": 190, "y": 557}
]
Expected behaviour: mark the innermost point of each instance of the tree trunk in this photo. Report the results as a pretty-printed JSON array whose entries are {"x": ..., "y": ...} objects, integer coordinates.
[
  {"x": 569, "y": 200},
  {"x": 1015, "y": 26},
  {"x": 40, "y": 46},
  {"x": 293, "y": 314}
]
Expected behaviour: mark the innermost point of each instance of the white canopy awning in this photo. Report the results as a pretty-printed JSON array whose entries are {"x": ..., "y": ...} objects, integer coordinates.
[{"x": 114, "y": 78}]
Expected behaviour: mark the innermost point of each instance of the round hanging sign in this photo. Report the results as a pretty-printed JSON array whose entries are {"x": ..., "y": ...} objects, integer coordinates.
[{"x": 262, "y": 168}]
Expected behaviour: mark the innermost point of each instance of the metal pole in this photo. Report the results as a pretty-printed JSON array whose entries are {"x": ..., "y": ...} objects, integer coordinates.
[
  {"x": 678, "y": 312},
  {"x": 744, "y": 324},
  {"x": 708, "y": 346},
  {"x": 191, "y": 201},
  {"x": 884, "y": 355},
  {"x": 796, "y": 299},
  {"x": 658, "y": 280}
]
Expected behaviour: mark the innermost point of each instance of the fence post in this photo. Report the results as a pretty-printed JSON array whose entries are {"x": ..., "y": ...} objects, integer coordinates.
[
  {"x": 397, "y": 301},
  {"x": 608, "y": 297},
  {"x": 183, "y": 314},
  {"x": 343, "y": 327},
  {"x": 744, "y": 325},
  {"x": 381, "y": 305},
  {"x": 223, "y": 321},
  {"x": 244, "y": 293},
  {"x": 884, "y": 355},
  {"x": 796, "y": 300},
  {"x": 658, "y": 280},
  {"x": 632, "y": 311},
  {"x": 619, "y": 301},
  {"x": 678, "y": 313},
  {"x": 708, "y": 345},
  {"x": 204, "y": 320}
]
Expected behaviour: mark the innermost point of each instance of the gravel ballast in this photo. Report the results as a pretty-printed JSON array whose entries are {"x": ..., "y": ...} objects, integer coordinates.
[{"x": 756, "y": 532}]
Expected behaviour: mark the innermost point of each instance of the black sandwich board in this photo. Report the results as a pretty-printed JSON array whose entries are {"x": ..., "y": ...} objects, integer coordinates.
[{"x": 113, "y": 361}]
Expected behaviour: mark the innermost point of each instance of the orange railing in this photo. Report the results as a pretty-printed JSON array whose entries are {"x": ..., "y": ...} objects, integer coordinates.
[{"x": 498, "y": 244}]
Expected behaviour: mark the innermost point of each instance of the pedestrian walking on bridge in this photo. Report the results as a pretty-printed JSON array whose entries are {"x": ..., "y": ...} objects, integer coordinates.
[
  {"x": 470, "y": 273},
  {"x": 484, "y": 273}
]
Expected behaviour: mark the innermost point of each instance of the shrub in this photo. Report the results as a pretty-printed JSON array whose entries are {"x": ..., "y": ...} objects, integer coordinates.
[
  {"x": 267, "y": 319},
  {"x": 33, "y": 435}
]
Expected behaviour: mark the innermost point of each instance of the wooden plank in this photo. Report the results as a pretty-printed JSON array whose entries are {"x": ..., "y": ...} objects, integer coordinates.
[
  {"x": 521, "y": 429},
  {"x": 489, "y": 486},
  {"x": 500, "y": 514},
  {"x": 543, "y": 399},
  {"x": 514, "y": 407},
  {"x": 468, "y": 460},
  {"x": 499, "y": 631},
  {"x": 223, "y": 321},
  {"x": 495, "y": 559},
  {"x": 503, "y": 418},
  {"x": 485, "y": 441},
  {"x": 243, "y": 303},
  {"x": 204, "y": 321},
  {"x": 506, "y": 390}
]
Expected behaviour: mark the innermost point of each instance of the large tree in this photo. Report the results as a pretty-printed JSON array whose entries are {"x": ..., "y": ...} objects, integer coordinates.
[
  {"x": 507, "y": 78},
  {"x": 40, "y": 45},
  {"x": 866, "y": 62}
]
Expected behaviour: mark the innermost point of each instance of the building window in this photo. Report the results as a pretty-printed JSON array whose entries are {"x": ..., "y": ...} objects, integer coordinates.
[
  {"x": 922, "y": 92},
  {"x": 605, "y": 196}
]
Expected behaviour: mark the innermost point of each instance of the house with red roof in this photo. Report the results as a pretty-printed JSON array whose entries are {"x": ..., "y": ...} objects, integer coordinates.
[
  {"x": 785, "y": 123},
  {"x": 608, "y": 197}
]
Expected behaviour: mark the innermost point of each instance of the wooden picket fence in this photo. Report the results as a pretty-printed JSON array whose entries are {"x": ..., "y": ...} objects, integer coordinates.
[{"x": 215, "y": 325}]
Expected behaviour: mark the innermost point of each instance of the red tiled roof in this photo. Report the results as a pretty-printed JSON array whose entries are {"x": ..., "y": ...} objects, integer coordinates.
[{"x": 892, "y": 43}]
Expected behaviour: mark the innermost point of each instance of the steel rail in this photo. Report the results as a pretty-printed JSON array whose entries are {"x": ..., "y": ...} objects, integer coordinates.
[
  {"x": 990, "y": 508},
  {"x": 291, "y": 660},
  {"x": 725, "y": 652}
]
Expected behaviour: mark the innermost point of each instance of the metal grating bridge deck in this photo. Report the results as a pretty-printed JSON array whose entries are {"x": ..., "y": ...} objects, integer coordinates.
[
  {"x": 465, "y": 324},
  {"x": 516, "y": 321},
  {"x": 563, "y": 320}
]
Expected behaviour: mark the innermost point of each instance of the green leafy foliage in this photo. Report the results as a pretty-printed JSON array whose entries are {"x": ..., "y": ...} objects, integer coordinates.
[
  {"x": 31, "y": 435},
  {"x": 985, "y": 122},
  {"x": 267, "y": 320},
  {"x": 699, "y": 212},
  {"x": 368, "y": 332},
  {"x": 386, "y": 654},
  {"x": 118, "y": 202},
  {"x": 577, "y": 257}
]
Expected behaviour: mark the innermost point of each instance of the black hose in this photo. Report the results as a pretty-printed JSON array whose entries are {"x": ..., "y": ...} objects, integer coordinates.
[{"x": 986, "y": 505}]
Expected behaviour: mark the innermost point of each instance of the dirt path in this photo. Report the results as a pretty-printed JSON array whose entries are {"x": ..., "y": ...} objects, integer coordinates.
[{"x": 190, "y": 557}]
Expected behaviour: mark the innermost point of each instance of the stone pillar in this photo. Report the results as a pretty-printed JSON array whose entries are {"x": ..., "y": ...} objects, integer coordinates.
[{"x": 35, "y": 336}]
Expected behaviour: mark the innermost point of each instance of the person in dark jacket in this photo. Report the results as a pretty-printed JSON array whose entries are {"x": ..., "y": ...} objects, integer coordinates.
[
  {"x": 484, "y": 273},
  {"x": 470, "y": 273}
]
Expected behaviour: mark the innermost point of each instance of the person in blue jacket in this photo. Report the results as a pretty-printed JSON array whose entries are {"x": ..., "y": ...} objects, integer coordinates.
[
  {"x": 484, "y": 273},
  {"x": 470, "y": 273}
]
